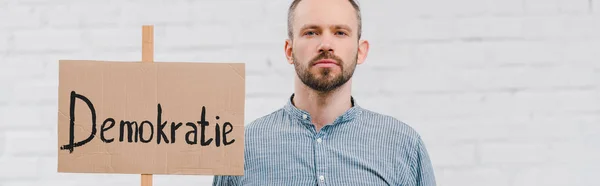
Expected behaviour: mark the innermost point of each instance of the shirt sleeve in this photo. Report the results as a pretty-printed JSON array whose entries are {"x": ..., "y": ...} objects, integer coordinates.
[
  {"x": 225, "y": 181},
  {"x": 422, "y": 167}
]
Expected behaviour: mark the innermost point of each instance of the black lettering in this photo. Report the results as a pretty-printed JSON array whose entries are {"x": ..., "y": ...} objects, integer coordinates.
[
  {"x": 203, "y": 123},
  {"x": 71, "y": 146},
  {"x": 194, "y": 132},
  {"x": 131, "y": 135},
  {"x": 161, "y": 126},
  {"x": 142, "y": 131},
  {"x": 225, "y": 142},
  {"x": 104, "y": 129},
  {"x": 174, "y": 127},
  {"x": 217, "y": 135}
]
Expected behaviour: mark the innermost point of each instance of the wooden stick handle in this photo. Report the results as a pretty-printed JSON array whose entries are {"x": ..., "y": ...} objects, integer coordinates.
[
  {"x": 147, "y": 57},
  {"x": 148, "y": 43},
  {"x": 146, "y": 179}
]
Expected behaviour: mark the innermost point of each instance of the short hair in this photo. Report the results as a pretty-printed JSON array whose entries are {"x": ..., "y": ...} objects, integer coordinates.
[{"x": 295, "y": 4}]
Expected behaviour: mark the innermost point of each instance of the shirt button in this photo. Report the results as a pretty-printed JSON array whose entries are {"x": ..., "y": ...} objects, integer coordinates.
[
  {"x": 304, "y": 116},
  {"x": 319, "y": 140},
  {"x": 322, "y": 178}
]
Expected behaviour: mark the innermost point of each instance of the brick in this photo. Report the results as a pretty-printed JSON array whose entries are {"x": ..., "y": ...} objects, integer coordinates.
[
  {"x": 582, "y": 27},
  {"x": 453, "y": 155},
  {"x": 433, "y": 8},
  {"x": 489, "y": 27},
  {"x": 446, "y": 79},
  {"x": 115, "y": 39},
  {"x": 475, "y": 176},
  {"x": 108, "y": 54},
  {"x": 28, "y": 17},
  {"x": 7, "y": 74},
  {"x": 543, "y": 27},
  {"x": 6, "y": 93},
  {"x": 60, "y": 16},
  {"x": 20, "y": 117},
  {"x": 227, "y": 12},
  {"x": 583, "y": 53},
  {"x": 2, "y": 143},
  {"x": 555, "y": 174},
  {"x": 261, "y": 60},
  {"x": 449, "y": 119},
  {"x": 23, "y": 67},
  {"x": 562, "y": 101},
  {"x": 445, "y": 132},
  {"x": 97, "y": 14},
  {"x": 524, "y": 52},
  {"x": 4, "y": 41},
  {"x": 209, "y": 36},
  {"x": 574, "y": 6},
  {"x": 539, "y": 104},
  {"x": 260, "y": 32},
  {"x": 153, "y": 12},
  {"x": 456, "y": 55},
  {"x": 48, "y": 40},
  {"x": 431, "y": 80},
  {"x": 541, "y": 7},
  {"x": 47, "y": 167},
  {"x": 378, "y": 10},
  {"x": 79, "y": 14},
  {"x": 270, "y": 83},
  {"x": 502, "y": 153},
  {"x": 18, "y": 168},
  {"x": 392, "y": 55},
  {"x": 36, "y": 92},
  {"x": 506, "y": 7},
  {"x": 590, "y": 131},
  {"x": 419, "y": 29},
  {"x": 529, "y": 78},
  {"x": 30, "y": 143},
  {"x": 459, "y": 8},
  {"x": 563, "y": 151},
  {"x": 41, "y": 2},
  {"x": 276, "y": 11},
  {"x": 555, "y": 127}
]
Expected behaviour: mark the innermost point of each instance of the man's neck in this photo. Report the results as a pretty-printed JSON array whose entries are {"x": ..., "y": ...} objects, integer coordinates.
[{"x": 323, "y": 108}]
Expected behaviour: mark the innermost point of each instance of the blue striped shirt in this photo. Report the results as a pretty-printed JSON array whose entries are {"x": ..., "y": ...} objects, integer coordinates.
[{"x": 360, "y": 147}]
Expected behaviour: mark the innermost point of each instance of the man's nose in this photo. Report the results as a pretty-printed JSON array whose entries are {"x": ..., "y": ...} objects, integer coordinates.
[{"x": 325, "y": 44}]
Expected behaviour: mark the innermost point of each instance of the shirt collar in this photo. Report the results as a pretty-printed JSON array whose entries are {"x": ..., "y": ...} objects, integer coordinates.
[{"x": 304, "y": 116}]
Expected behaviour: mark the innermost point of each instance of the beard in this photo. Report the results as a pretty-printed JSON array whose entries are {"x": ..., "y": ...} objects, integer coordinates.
[{"x": 324, "y": 80}]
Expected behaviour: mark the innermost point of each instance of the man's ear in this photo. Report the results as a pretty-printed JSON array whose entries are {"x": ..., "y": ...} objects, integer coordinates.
[
  {"x": 288, "y": 51},
  {"x": 363, "y": 51}
]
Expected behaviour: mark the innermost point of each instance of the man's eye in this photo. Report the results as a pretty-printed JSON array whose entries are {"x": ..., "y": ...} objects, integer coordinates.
[
  {"x": 341, "y": 33},
  {"x": 309, "y": 33}
]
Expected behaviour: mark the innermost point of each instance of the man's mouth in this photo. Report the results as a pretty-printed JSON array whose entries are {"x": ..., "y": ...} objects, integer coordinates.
[{"x": 326, "y": 63}]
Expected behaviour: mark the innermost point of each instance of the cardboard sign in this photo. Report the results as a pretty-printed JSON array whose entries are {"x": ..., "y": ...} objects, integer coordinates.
[{"x": 151, "y": 118}]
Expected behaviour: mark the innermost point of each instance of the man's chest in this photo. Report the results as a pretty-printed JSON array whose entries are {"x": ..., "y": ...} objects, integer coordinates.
[{"x": 304, "y": 158}]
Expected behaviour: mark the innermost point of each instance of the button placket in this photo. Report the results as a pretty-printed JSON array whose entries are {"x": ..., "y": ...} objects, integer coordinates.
[{"x": 320, "y": 155}]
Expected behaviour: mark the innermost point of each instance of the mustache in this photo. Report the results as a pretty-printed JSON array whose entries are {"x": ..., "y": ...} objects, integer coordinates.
[{"x": 326, "y": 55}]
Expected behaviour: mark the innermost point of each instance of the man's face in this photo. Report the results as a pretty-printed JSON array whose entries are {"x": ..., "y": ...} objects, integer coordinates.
[{"x": 325, "y": 47}]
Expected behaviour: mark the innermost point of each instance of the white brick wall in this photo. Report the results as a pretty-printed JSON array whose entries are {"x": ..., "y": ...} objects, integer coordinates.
[{"x": 504, "y": 92}]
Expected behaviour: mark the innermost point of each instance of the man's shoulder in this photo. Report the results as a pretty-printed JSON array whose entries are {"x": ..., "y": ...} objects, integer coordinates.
[
  {"x": 266, "y": 120},
  {"x": 389, "y": 123}
]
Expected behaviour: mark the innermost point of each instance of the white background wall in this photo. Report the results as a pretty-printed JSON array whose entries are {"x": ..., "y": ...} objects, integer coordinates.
[{"x": 504, "y": 92}]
